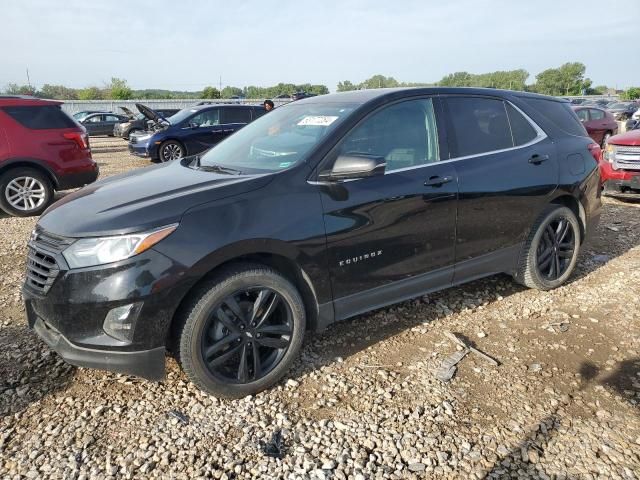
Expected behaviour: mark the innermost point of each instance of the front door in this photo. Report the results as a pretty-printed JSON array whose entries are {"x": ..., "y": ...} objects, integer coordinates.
[
  {"x": 507, "y": 171},
  {"x": 206, "y": 131},
  {"x": 392, "y": 236}
]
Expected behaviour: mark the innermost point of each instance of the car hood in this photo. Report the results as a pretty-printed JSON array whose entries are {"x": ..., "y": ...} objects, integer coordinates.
[
  {"x": 150, "y": 114},
  {"x": 631, "y": 138},
  {"x": 143, "y": 199}
]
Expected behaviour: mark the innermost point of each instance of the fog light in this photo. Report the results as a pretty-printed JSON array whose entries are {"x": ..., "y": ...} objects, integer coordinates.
[{"x": 121, "y": 321}]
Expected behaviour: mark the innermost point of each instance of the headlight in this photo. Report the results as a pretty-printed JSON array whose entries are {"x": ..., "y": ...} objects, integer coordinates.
[
  {"x": 144, "y": 138},
  {"x": 87, "y": 252},
  {"x": 610, "y": 153}
]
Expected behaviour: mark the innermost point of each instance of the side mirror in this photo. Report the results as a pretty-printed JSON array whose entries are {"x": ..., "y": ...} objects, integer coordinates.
[{"x": 353, "y": 166}]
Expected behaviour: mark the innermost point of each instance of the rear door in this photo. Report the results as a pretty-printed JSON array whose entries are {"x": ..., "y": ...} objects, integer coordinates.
[
  {"x": 598, "y": 125},
  {"x": 109, "y": 122},
  {"x": 234, "y": 118},
  {"x": 507, "y": 170},
  {"x": 93, "y": 123}
]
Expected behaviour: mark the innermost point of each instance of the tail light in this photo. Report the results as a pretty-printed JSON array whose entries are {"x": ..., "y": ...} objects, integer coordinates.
[
  {"x": 81, "y": 139},
  {"x": 595, "y": 151}
]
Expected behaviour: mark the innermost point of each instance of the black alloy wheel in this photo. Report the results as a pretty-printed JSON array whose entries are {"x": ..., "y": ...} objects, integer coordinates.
[
  {"x": 556, "y": 249},
  {"x": 240, "y": 330},
  {"x": 550, "y": 252},
  {"x": 247, "y": 335}
]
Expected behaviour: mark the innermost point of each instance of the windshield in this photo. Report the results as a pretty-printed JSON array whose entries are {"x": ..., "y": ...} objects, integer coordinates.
[
  {"x": 619, "y": 105},
  {"x": 278, "y": 140},
  {"x": 181, "y": 115}
]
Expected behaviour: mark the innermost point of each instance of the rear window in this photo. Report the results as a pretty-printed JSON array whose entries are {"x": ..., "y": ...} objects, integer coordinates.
[
  {"x": 40, "y": 117},
  {"x": 521, "y": 129},
  {"x": 558, "y": 113}
]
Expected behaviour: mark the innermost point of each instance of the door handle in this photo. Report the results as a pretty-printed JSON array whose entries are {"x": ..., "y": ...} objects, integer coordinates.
[
  {"x": 538, "y": 159},
  {"x": 437, "y": 181}
]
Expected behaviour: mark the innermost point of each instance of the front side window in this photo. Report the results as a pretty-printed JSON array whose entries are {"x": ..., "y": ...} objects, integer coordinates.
[
  {"x": 404, "y": 134},
  {"x": 112, "y": 118},
  {"x": 207, "y": 118},
  {"x": 94, "y": 119}
]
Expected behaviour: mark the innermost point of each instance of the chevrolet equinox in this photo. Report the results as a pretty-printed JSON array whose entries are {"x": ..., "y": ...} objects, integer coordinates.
[{"x": 323, "y": 209}]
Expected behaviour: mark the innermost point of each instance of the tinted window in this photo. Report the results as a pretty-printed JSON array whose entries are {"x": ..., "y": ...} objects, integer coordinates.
[
  {"x": 206, "y": 118},
  {"x": 558, "y": 113},
  {"x": 479, "y": 125},
  {"x": 596, "y": 114},
  {"x": 404, "y": 134},
  {"x": 583, "y": 114},
  {"x": 40, "y": 117},
  {"x": 236, "y": 115},
  {"x": 258, "y": 112},
  {"x": 521, "y": 129},
  {"x": 112, "y": 118},
  {"x": 94, "y": 119}
]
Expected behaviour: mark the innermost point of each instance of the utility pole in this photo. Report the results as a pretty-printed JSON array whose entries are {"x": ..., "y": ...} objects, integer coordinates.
[
  {"x": 221, "y": 83},
  {"x": 28, "y": 79}
]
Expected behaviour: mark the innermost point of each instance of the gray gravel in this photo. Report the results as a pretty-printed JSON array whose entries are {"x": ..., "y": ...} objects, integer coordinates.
[{"x": 362, "y": 402}]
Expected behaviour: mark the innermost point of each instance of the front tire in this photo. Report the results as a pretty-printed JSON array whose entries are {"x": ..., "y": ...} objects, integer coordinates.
[
  {"x": 551, "y": 250},
  {"x": 241, "y": 331},
  {"x": 25, "y": 192},
  {"x": 171, "y": 150}
]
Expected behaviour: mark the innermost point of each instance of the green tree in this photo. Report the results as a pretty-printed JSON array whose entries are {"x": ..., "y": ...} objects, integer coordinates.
[
  {"x": 457, "y": 79},
  {"x": 119, "y": 90},
  {"x": 57, "y": 92},
  {"x": 228, "y": 92},
  {"x": 210, "y": 92},
  {"x": 346, "y": 86},
  {"x": 632, "y": 93},
  {"x": 15, "y": 89},
  {"x": 379, "y": 81},
  {"x": 90, "y": 93},
  {"x": 568, "y": 79}
]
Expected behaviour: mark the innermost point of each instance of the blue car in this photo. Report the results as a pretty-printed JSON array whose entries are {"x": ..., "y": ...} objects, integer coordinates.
[{"x": 190, "y": 131}]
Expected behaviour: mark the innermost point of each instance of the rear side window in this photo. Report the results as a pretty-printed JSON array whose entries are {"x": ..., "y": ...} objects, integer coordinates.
[
  {"x": 583, "y": 114},
  {"x": 236, "y": 115},
  {"x": 521, "y": 129},
  {"x": 558, "y": 113},
  {"x": 596, "y": 114},
  {"x": 40, "y": 117},
  {"x": 258, "y": 112},
  {"x": 479, "y": 125}
]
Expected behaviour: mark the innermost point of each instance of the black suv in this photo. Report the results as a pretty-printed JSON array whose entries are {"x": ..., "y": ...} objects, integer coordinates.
[{"x": 321, "y": 210}]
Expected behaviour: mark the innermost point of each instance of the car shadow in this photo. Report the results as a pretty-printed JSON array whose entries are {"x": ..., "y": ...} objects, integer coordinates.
[
  {"x": 29, "y": 370},
  {"x": 623, "y": 380}
]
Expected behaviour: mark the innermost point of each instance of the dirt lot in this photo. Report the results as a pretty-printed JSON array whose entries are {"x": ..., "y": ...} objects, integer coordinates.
[{"x": 362, "y": 402}]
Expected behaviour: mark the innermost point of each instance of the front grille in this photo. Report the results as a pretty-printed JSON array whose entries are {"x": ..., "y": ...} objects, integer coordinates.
[
  {"x": 42, "y": 270},
  {"x": 627, "y": 158}
]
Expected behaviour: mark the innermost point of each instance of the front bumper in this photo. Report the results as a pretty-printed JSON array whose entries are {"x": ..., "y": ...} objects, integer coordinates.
[
  {"x": 615, "y": 181},
  {"x": 149, "y": 364},
  {"x": 69, "y": 313},
  {"x": 139, "y": 150}
]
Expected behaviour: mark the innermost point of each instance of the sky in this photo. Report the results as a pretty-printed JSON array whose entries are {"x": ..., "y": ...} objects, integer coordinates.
[{"x": 189, "y": 44}]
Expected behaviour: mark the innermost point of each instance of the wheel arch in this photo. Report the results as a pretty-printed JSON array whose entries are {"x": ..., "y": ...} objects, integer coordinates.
[
  {"x": 30, "y": 163},
  {"x": 576, "y": 207},
  {"x": 282, "y": 262}
]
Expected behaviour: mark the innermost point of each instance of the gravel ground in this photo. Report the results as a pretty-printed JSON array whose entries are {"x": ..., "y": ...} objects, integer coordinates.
[{"x": 362, "y": 402}]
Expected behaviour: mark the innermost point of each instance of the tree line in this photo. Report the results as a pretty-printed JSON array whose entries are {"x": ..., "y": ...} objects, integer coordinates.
[{"x": 568, "y": 79}]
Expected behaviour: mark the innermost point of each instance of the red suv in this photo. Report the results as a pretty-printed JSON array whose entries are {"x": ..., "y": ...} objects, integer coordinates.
[
  {"x": 42, "y": 149},
  {"x": 620, "y": 164}
]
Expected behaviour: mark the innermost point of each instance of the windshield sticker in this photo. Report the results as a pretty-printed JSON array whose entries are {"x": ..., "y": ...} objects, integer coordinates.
[
  {"x": 285, "y": 164},
  {"x": 318, "y": 120}
]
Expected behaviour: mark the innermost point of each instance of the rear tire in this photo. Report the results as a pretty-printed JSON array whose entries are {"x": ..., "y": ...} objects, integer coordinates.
[
  {"x": 240, "y": 331},
  {"x": 551, "y": 250},
  {"x": 25, "y": 192}
]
